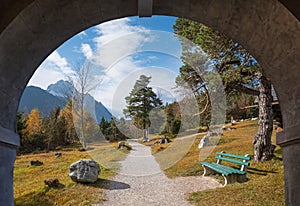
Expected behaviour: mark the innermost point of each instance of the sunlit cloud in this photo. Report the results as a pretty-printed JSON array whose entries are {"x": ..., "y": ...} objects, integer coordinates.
[
  {"x": 116, "y": 39},
  {"x": 53, "y": 69},
  {"x": 82, "y": 34},
  {"x": 86, "y": 50}
]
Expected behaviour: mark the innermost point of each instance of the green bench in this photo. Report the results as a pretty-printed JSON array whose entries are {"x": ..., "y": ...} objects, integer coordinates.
[{"x": 230, "y": 174}]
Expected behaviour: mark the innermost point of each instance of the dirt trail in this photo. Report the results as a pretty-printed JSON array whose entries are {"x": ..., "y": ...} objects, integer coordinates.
[{"x": 141, "y": 182}]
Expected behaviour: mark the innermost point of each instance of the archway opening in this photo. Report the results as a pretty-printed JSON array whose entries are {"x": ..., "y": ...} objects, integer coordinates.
[
  {"x": 28, "y": 37},
  {"x": 86, "y": 50}
]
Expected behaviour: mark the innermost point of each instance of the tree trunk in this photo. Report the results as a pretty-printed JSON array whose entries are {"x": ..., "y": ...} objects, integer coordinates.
[
  {"x": 48, "y": 145},
  {"x": 263, "y": 148},
  {"x": 82, "y": 94}
]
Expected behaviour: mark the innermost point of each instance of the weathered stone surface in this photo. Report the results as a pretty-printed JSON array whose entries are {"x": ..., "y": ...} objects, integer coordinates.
[
  {"x": 31, "y": 30},
  {"x": 121, "y": 144},
  {"x": 163, "y": 140},
  {"x": 52, "y": 182},
  {"x": 7, "y": 158},
  {"x": 36, "y": 163},
  {"x": 84, "y": 171},
  {"x": 204, "y": 142},
  {"x": 58, "y": 154}
]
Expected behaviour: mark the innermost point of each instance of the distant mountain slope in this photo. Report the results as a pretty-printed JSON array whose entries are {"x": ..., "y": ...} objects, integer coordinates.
[
  {"x": 35, "y": 97},
  {"x": 57, "y": 95}
]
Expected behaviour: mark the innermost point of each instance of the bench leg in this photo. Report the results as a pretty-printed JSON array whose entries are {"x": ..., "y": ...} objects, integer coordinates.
[
  {"x": 208, "y": 171},
  {"x": 242, "y": 178},
  {"x": 230, "y": 179}
]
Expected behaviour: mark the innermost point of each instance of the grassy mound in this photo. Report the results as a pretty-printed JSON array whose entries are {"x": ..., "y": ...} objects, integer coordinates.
[
  {"x": 266, "y": 181},
  {"x": 30, "y": 189}
]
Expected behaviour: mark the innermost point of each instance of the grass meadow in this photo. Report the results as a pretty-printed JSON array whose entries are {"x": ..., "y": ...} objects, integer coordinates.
[
  {"x": 264, "y": 187},
  {"x": 30, "y": 189},
  {"x": 266, "y": 181}
]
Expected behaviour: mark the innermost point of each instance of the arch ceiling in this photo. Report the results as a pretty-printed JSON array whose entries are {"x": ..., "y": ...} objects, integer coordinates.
[{"x": 32, "y": 29}]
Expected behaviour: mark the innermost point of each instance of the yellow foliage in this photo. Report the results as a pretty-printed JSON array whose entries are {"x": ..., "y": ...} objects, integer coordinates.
[{"x": 34, "y": 123}]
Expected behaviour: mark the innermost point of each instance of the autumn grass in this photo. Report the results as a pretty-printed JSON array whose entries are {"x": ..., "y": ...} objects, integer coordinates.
[
  {"x": 155, "y": 148},
  {"x": 265, "y": 185},
  {"x": 30, "y": 189}
]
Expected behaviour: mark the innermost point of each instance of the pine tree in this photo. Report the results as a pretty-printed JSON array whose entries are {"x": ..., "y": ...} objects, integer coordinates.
[
  {"x": 50, "y": 125},
  {"x": 173, "y": 118},
  {"x": 140, "y": 102},
  {"x": 123, "y": 129},
  {"x": 104, "y": 127},
  {"x": 240, "y": 72}
]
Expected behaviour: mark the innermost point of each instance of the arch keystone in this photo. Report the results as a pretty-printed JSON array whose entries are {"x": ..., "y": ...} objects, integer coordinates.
[{"x": 145, "y": 8}]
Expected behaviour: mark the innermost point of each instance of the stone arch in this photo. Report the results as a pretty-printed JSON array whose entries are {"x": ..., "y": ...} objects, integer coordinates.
[{"x": 34, "y": 28}]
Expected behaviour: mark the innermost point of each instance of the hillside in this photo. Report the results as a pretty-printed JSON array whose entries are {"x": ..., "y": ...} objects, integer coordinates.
[
  {"x": 35, "y": 97},
  {"x": 57, "y": 95}
]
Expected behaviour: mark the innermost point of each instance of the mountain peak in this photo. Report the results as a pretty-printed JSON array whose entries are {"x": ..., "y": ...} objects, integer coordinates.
[
  {"x": 57, "y": 94},
  {"x": 61, "y": 88}
]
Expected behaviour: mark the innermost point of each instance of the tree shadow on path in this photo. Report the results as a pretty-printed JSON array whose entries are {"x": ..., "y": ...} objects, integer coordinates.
[
  {"x": 259, "y": 171},
  {"x": 110, "y": 185}
]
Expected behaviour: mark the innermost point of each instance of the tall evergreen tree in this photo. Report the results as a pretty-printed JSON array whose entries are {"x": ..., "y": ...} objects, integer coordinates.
[
  {"x": 21, "y": 130},
  {"x": 21, "y": 122},
  {"x": 50, "y": 125},
  {"x": 104, "y": 125},
  {"x": 173, "y": 118},
  {"x": 140, "y": 102},
  {"x": 123, "y": 129},
  {"x": 55, "y": 129},
  {"x": 113, "y": 129}
]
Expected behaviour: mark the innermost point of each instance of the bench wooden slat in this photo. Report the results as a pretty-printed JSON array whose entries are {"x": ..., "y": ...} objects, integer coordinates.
[
  {"x": 233, "y": 161},
  {"x": 224, "y": 169},
  {"x": 215, "y": 168},
  {"x": 234, "y": 156},
  {"x": 230, "y": 169}
]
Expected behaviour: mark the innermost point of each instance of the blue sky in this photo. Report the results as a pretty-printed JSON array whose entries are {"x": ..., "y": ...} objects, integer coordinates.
[{"x": 122, "y": 50}]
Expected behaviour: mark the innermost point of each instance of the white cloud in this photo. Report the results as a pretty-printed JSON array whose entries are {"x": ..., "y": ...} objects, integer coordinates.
[
  {"x": 82, "y": 34},
  {"x": 120, "y": 79},
  {"x": 42, "y": 78},
  {"x": 116, "y": 67},
  {"x": 111, "y": 30},
  {"x": 116, "y": 40},
  {"x": 86, "y": 50},
  {"x": 56, "y": 61},
  {"x": 116, "y": 47},
  {"x": 114, "y": 43},
  {"x": 111, "y": 81},
  {"x": 53, "y": 69}
]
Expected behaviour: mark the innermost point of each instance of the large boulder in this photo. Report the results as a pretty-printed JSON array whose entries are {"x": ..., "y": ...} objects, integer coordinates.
[
  {"x": 84, "y": 171},
  {"x": 163, "y": 140}
]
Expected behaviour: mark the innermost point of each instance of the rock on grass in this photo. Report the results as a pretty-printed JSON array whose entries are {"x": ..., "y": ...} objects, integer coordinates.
[{"x": 84, "y": 171}]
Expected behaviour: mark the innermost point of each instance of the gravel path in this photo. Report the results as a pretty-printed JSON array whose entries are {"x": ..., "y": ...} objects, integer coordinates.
[{"x": 141, "y": 182}]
